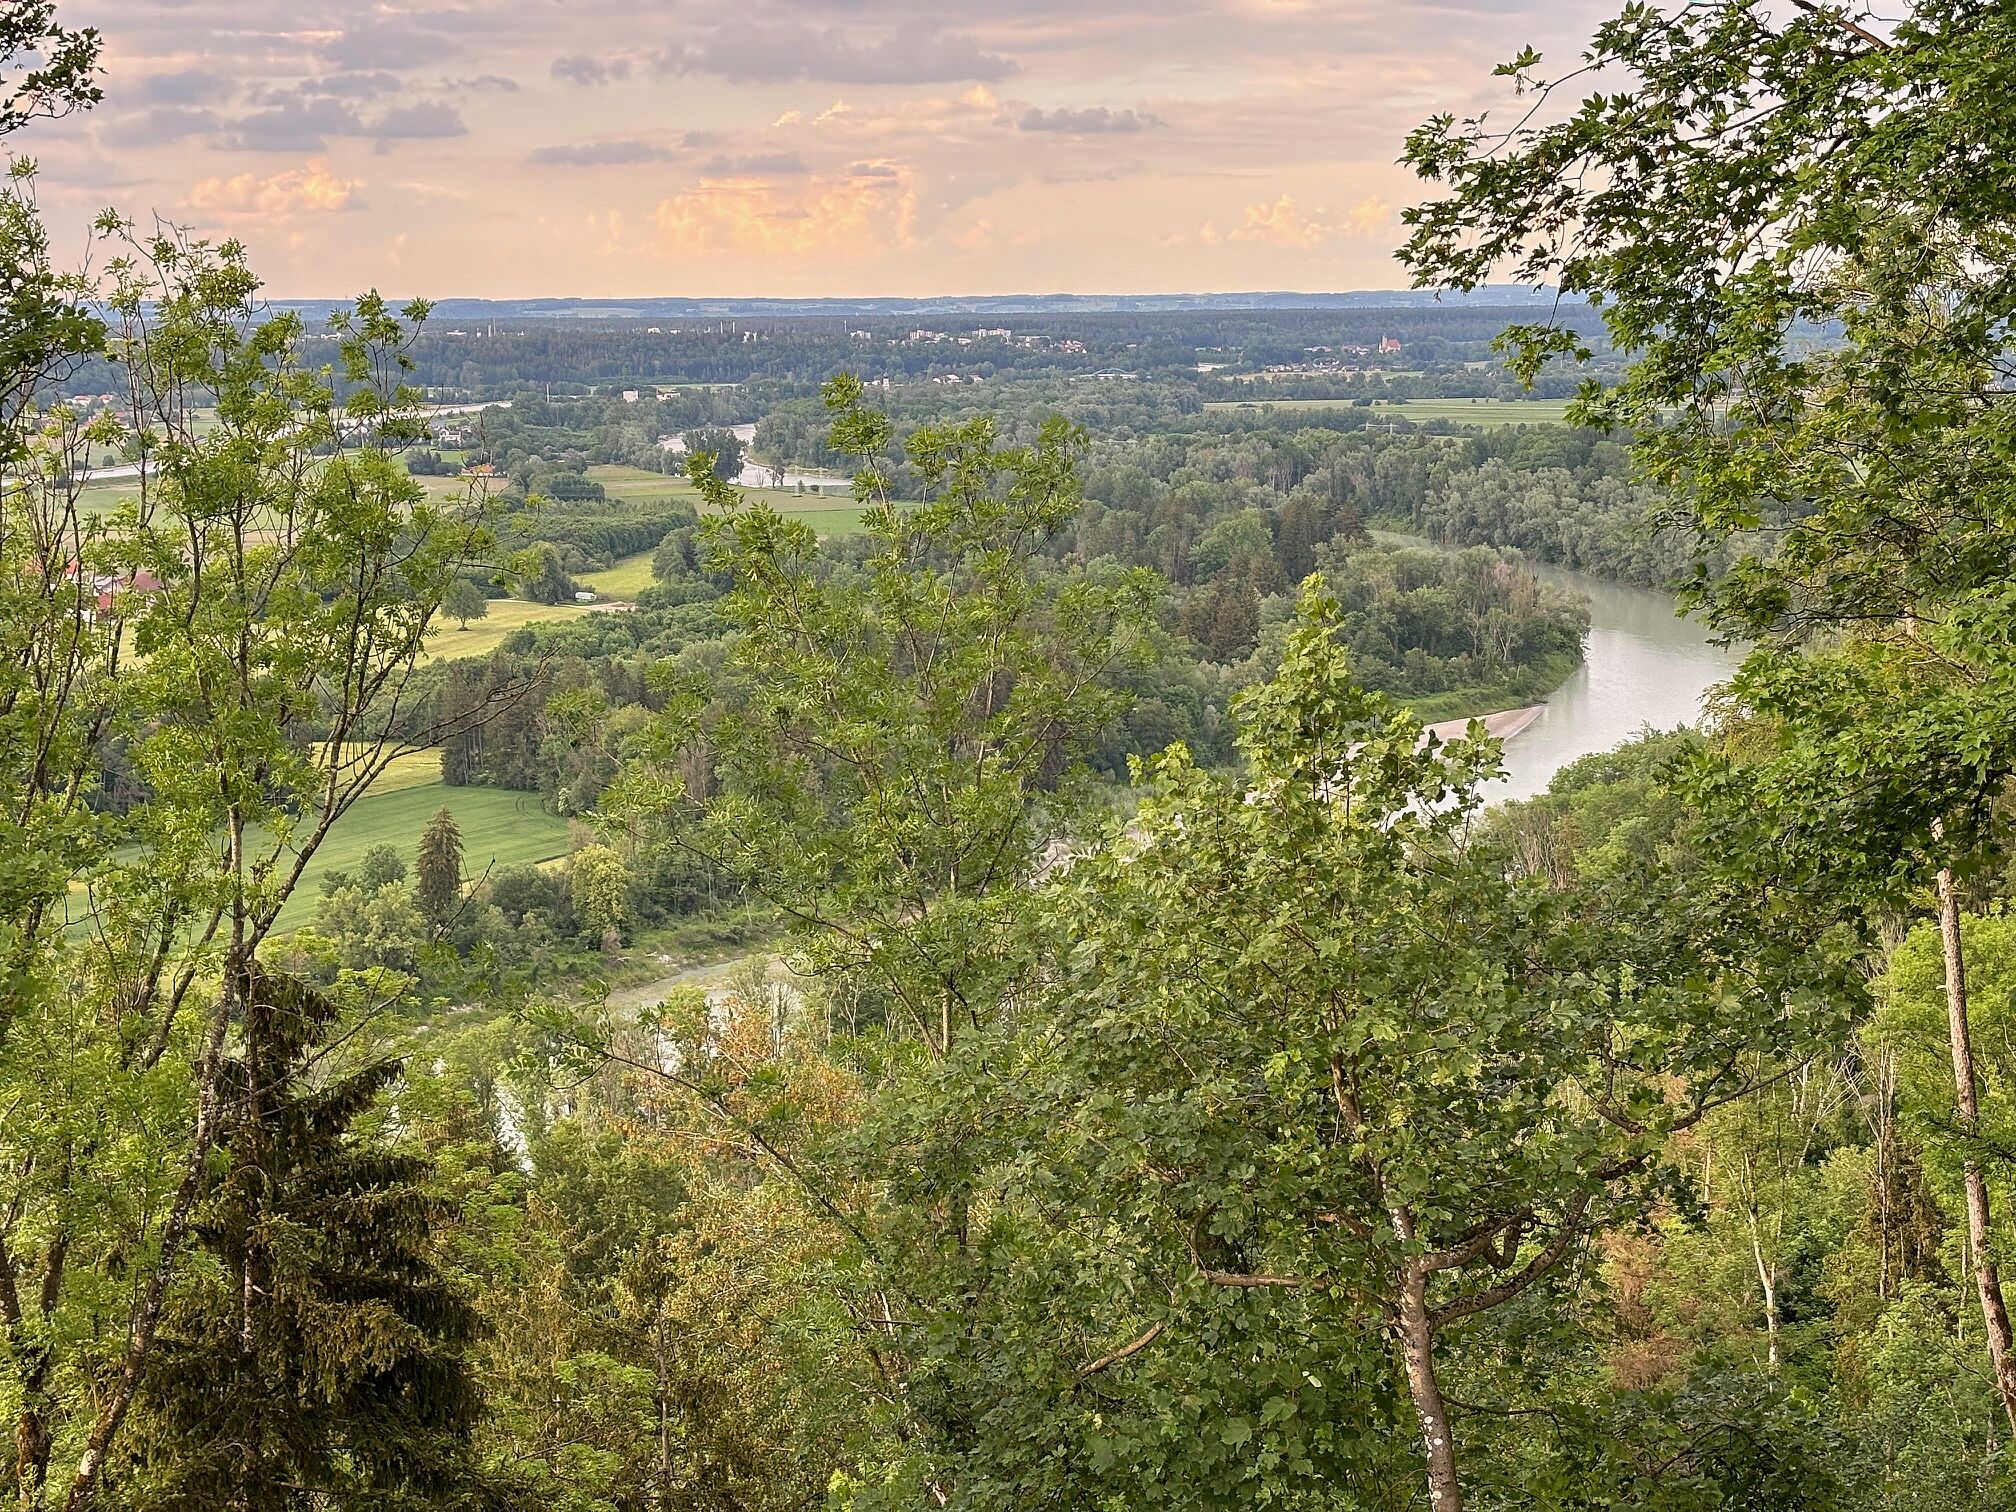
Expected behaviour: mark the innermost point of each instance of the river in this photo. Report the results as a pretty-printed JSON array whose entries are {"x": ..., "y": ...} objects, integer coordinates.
[
  {"x": 762, "y": 475},
  {"x": 1642, "y": 665}
]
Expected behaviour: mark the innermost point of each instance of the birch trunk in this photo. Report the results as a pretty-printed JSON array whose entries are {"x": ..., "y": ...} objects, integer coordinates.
[
  {"x": 1417, "y": 1349},
  {"x": 1987, "y": 1278}
]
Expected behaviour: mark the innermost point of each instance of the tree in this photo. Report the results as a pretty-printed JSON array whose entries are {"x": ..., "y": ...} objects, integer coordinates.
[
  {"x": 245, "y": 626},
  {"x": 889, "y": 748},
  {"x": 465, "y": 602},
  {"x": 722, "y": 447},
  {"x": 1230, "y": 621},
  {"x": 599, "y": 891},
  {"x": 380, "y": 866},
  {"x": 323, "y": 1359},
  {"x": 1305, "y": 1035},
  {"x": 664, "y": 1336},
  {"x": 541, "y": 578},
  {"x": 912, "y": 715},
  {"x": 1753, "y": 182},
  {"x": 369, "y": 927},
  {"x": 1912, "y": 1025},
  {"x": 46, "y": 69},
  {"x": 438, "y": 869}
]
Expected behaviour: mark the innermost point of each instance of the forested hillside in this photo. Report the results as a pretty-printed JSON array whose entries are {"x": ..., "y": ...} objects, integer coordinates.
[{"x": 537, "y": 972}]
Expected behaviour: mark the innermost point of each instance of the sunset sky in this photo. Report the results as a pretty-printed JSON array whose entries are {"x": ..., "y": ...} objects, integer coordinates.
[{"x": 514, "y": 148}]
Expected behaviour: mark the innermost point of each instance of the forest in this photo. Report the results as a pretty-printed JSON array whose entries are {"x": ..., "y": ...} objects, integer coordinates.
[{"x": 981, "y": 992}]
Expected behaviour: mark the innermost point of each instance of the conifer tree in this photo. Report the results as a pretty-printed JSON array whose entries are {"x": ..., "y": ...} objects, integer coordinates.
[
  {"x": 318, "y": 1359},
  {"x": 438, "y": 867}
]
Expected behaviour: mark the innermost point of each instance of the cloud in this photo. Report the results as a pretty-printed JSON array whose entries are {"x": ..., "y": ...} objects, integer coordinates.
[
  {"x": 1109, "y": 175},
  {"x": 166, "y": 123},
  {"x": 389, "y": 41},
  {"x": 295, "y": 126},
  {"x": 978, "y": 237},
  {"x": 597, "y": 154},
  {"x": 414, "y": 122},
  {"x": 776, "y": 52},
  {"x": 485, "y": 84},
  {"x": 579, "y": 68},
  {"x": 1089, "y": 121},
  {"x": 368, "y": 85},
  {"x": 856, "y": 217},
  {"x": 188, "y": 86},
  {"x": 311, "y": 188},
  {"x": 727, "y": 165},
  {"x": 1283, "y": 223}
]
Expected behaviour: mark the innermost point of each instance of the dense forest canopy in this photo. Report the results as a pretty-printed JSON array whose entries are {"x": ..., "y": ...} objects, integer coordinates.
[{"x": 855, "y": 907}]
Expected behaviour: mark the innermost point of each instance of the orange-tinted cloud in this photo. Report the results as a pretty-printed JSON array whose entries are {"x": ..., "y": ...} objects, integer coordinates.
[
  {"x": 852, "y": 214},
  {"x": 309, "y": 188},
  {"x": 1284, "y": 223}
]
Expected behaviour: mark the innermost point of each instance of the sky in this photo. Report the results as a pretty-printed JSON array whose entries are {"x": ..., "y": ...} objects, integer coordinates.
[{"x": 613, "y": 148}]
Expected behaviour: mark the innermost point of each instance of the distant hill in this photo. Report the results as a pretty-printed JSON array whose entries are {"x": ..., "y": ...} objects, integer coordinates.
[{"x": 1492, "y": 295}]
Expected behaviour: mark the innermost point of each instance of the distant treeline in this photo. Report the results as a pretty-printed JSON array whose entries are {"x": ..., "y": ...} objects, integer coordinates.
[{"x": 487, "y": 358}]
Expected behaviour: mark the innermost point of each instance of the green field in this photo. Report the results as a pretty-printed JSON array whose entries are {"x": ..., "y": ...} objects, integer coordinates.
[
  {"x": 621, "y": 482},
  {"x": 826, "y": 519},
  {"x": 499, "y": 829},
  {"x": 828, "y": 514},
  {"x": 485, "y": 635},
  {"x": 413, "y": 769},
  {"x": 102, "y": 498},
  {"x": 623, "y": 579},
  {"x": 1491, "y": 412}
]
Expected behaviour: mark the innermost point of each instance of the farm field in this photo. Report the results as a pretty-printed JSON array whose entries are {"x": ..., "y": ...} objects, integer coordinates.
[
  {"x": 623, "y": 579},
  {"x": 623, "y": 482},
  {"x": 823, "y": 512},
  {"x": 485, "y": 635},
  {"x": 102, "y": 498},
  {"x": 826, "y": 519},
  {"x": 498, "y": 828},
  {"x": 413, "y": 769},
  {"x": 1456, "y": 411}
]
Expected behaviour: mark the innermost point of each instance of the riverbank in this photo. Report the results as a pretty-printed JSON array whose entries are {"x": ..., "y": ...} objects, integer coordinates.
[
  {"x": 1643, "y": 668},
  {"x": 1505, "y": 724},
  {"x": 1534, "y": 685}
]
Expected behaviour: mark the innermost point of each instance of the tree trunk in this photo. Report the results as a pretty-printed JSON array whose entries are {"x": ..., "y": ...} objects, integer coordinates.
[
  {"x": 1767, "y": 1281},
  {"x": 1417, "y": 1349},
  {"x": 1987, "y": 1279},
  {"x": 1886, "y": 1073},
  {"x": 1767, "y": 1274}
]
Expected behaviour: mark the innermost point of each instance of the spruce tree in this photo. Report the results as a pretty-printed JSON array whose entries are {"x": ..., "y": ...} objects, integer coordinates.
[
  {"x": 439, "y": 867},
  {"x": 319, "y": 1358}
]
